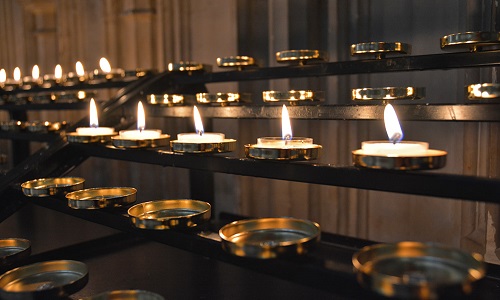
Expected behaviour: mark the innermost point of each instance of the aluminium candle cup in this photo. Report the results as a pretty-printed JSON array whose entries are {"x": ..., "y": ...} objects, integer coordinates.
[
  {"x": 189, "y": 67},
  {"x": 165, "y": 99},
  {"x": 293, "y": 97},
  {"x": 388, "y": 93},
  {"x": 44, "y": 280},
  {"x": 227, "y": 145},
  {"x": 222, "y": 99},
  {"x": 239, "y": 61},
  {"x": 45, "y": 187},
  {"x": 483, "y": 91},
  {"x": 413, "y": 270},
  {"x": 298, "y": 149},
  {"x": 126, "y": 295},
  {"x": 170, "y": 214},
  {"x": 104, "y": 197},
  {"x": 301, "y": 56},
  {"x": 268, "y": 238},
  {"x": 127, "y": 143},
  {"x": 380, "y": 49},
  {"x": 13, "y": 249},
  {"x": 139, "y": 72},
  {"x": 473, "y": 40},
  {"x": 74, "y": 137}
]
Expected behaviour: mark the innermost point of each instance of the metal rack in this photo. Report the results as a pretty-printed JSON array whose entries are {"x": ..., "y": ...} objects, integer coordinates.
[{"x": 333, "y": 256}]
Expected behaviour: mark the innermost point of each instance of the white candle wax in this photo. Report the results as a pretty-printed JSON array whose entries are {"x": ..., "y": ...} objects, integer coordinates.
[
  {"x": 207, "y": 137},
  {"x": 89, "y": 131},
  {"x": 278, "y": 142},
  {"x": 397, "y": 149},
  {"x": 140, "y": 134}
]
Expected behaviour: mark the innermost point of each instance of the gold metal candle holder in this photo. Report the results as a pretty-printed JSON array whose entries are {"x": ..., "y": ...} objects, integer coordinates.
[
  {"x": 73, "y": 96},
  {"x": 126, "y": 143},
  {"x": 275, "y": 148},
  {"x": 30, "y": 82},
  {"x": 430, "y": 159},
  {"x": 236, "y": 61},
  {"x": 222, "y": 99},
  {"x": 105, "y": 197},
  {"x": 101, "y": 76},
  {"x": 46, "y": 126},
  {"x": 227, "y": 145},
  {"x": 483, "y": 91},
  {"x": 473, "y": 40},
  {"x": 138, "y": 73},
  {"x": 74, "y": 137},
  {"x": 72, "y": 78},
  {"x": 301, "y": 56},
  {"x": 380, "y": 49},
  {"x": 169, "y": 214},
  {"x": 293, "y": 97},
  {"x": 11, "y": 84},
  {"x": 165, "y": 99},
  {"x": 13, "y": 249},
  {"x": 269, "y": 237},
  {"x": 189, "y": 67},
  {"x": 45, "y": 187},
  {"x": 388, "y": 93},
  {"x": 413, "y": 270},
  {"x": 44, "y": 97},
  {"x": 50, "y": 80}
]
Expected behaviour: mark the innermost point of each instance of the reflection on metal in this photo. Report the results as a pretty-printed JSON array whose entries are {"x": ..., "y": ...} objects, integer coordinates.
[
  {"x": 222, "y": 99},
  {"x": 45, "y": 187},
  {"x": 165, "y": 99},
  {"x": 473, "y": 40},
  {"x": 239, "y": 62},
  {"x": 120, "y": 142},
  {"x": 389, "y": 93},
  {"x": 293, "y": 97},
  {"x": 95, "y": 198},
  {"x": 126, "y": 295},
  {"x": 483, "y": 91},
  {"x": 13, "y": 249},
  {"x": 380, "y": 49},
  {"x": 189, "y": 66},
  {"x": 227, "y": 145},
  {"x": 432, "y": 159},
  {"x": 301, "y": 56}
]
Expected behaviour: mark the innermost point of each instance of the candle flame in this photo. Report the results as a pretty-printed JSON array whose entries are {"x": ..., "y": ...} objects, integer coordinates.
[
  {"x": 35, "y": 72},
  {"x": 17, "y": 74},
  {"x": 198, "y": 125},
  {"x": 392, "y": 126},
  {"x": 286, "y": 126},
  {"x": 3, "y": 76},
  {"x": 93, "y": 114},
  {"x": 80, "y": 71},
  {"x": 58, "y": 72},
  {"x": 141, "y": 118},
  {"x": 104, "y": 64}
]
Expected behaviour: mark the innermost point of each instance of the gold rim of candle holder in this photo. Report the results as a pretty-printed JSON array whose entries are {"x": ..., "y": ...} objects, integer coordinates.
[
  {"x": 50, "y": 80},
  {"x": 473, "y": 40},
  {"x": 55, "y": 279},
  {"x": 238, "y": 61},
  {"x": 166, "y": 99},
  {"x": 409, "y": 270},
  {"x": 307, "y": 153},
  {"x": 120, "y": 142},
  {"x": 28, "y": 84},
  {"x": 72, "y": 78},
  {"x": 170, "y": 214},
  {"x": 45, "y": 187},
  {"x": 483, "y": 91},
  {"x": 227, "y": 145},
  {"x": 126, "y": 295},
  {"x": 39, "y": 126},
  {"x": 268, "y": 238},
  {"x": 140, "y": 72},
  {"x": 103, "y": 197},
  {"x": 432, "y": 159},
  {"x": 13, "y": 125},
  {"x": 100, "y": 76},
  {"x": 189, "y": 66},
  {"x": 388, "y": 93},
  {"x": 293, "y": 97},
  {"x": 13, "y": 249},
  {"x": 301, "y": 56},
  {"x": 73, "y": 96},
  {"x": 74, "y": 137},
  {"x": 380, "y": 49},
  {"x": 11, "y": 84},
  {"x": 47, "y": 97},
  {"x": 222, "y": 99}
]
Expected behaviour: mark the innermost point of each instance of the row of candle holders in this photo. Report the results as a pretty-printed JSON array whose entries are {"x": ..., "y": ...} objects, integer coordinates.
[
  {"x": 47, "y": 97},
  {"x": 33, "y": 126}
]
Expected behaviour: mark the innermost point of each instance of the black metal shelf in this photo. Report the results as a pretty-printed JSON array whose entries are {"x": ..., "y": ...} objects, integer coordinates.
[
  {"x": 46, "y": 106},
  {"x": 30, "y": 136},
  {"x": 409, "y": 112},
  {"x": 417, "y": 182}
]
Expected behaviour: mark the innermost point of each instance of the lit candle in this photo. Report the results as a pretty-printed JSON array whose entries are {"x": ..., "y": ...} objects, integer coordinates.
[
  {"x": 34, "y": 79},
  {"x": 106, "y": 71},
  {"x": 10, "y": 84},
  {"x": 3, "y": 77},
  {"x": 94, "y": 129},
  {"x": 79, "y": 76},
  {"x": 394, "y": 146},
  {"x": 17, "y": 74},
  {"x": 52, "y": 79},
  {"x": 200, "y": 136},
  {"x": 140, "y": 133},
  {"x": 286, "y": 140}
]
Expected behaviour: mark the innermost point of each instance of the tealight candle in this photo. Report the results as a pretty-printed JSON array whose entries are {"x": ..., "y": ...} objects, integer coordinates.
[
  {"x": 3, "y": 78},
  {"x": 106, "y": 72},
  {"x": 94, "y": 129},
  {"x": 33, "y": 80},
  {"x": 79, "y": 76},
  {"x": 16, "y": 82},
  {"x": 140, "y": 133},
  {"x": 200, "y": 136},
  {"x": 53, "y": 79}
]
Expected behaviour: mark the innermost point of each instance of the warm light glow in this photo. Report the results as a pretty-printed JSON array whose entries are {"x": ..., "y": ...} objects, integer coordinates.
[
  {"x": 286, "y": 127},
  {"x": 58, "y": 72},
  {"x": 141, "y": 118},
  {"x": 392, "y": 125},
  {"x": 3, "y": 76},
  {"x": 35, "y": 72},
  {"x": 80, "y": 71},
  {"x": 198, "y": 125},
  {"x": 93, "y": 114},
  {"x": 104, "y": 64},
  {"x": 17, "y": 74}
]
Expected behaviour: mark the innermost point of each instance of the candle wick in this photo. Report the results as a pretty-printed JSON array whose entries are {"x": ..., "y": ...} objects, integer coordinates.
[
  {"x": 396, "y": 137},
  {"x": 200, "y": 132},
  {"x": 287, "y": 138}
]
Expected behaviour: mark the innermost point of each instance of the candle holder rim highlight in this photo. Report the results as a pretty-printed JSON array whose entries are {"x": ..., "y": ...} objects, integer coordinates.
[
  {"x": 236, "y": 61},
  {"x": 188, "y": 66},
  {"x": 487, "y": 91},
  {"x": 222, "y": 98},
  {"x": 101, "y": 197},
  {"x": 293, "y": 96},
  {"x": 301, "y": 56},
  {"x": 366, "y": 48},
  {"x": 15, "y": 250},
  {"x": 388, "y": 93},
  {"x": 227, "y": 145},
  {"x": 470, "y": 39},
  {"x": 128, "y": 143},
  {"x": 44, "y": 187},
  {"x": 74, "y": 137},
  {"x": 255, "y": 151},
  {"x": 172, "y": 99},
  {"x": 431, "y": 159}
]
